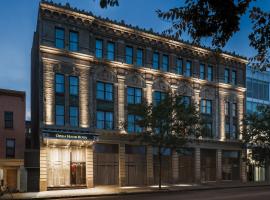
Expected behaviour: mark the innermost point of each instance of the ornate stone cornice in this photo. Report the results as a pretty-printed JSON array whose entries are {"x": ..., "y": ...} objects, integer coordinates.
[{"x": 87, "y": 19}]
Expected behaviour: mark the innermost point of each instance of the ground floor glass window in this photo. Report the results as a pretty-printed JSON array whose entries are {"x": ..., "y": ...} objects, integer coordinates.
[{"x": 66, "y": 167}]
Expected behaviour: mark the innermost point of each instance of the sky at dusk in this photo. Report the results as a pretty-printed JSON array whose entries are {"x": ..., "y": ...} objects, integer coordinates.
[{"x": 18, "y": 21}]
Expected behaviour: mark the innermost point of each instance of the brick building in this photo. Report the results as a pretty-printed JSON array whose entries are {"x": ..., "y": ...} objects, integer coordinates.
[
  {"x": 12, "y": 138},
  {"x": 86, "y": 70}
]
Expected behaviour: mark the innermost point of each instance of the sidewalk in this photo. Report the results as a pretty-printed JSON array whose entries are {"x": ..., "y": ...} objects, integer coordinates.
[{"x": 113, "y": 190}]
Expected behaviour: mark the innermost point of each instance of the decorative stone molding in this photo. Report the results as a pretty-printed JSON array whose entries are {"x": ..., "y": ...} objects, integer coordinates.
[{"x": 161, "y": 84}]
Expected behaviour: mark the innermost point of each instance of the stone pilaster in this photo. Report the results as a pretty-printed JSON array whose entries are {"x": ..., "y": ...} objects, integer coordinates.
[
  {"x": 219, "y": 164},
  {"x": 197, "y": 165},
  {"x": 122, "y": 165},
  {"x": 89, "y": 167},
  {"x": 222, "y": 135},
  {"x": 121, "y": 102},
  {"x": 43, "y": 169},
  {"x": 149, "y": 91},
  {"x": 197, "y": 98},
  {"x": 150, "y": 165},
  {"x": 84, "y": 95},
  {"x": 48, "y": 88},
  {"x": 243, "y": 166},
  {"x": 175, "y": 166},
  {"x": 240, "y": 113}
]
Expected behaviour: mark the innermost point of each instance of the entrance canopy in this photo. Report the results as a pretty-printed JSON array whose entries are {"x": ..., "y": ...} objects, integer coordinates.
[{"x": 68, "y": 137}]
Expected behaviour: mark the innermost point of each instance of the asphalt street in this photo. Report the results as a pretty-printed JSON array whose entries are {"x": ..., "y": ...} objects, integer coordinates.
[{"x": 251, "y": 193}]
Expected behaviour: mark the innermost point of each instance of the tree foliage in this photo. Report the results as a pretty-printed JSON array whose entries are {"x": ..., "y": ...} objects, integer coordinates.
[
  {"x": 218, "y": 20},
  {"x": 256, "y": 135},
  {"x": 170, "y": 123}
]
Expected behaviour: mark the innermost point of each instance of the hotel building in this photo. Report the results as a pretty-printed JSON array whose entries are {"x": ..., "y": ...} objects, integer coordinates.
[{"x": 86, "y": 70}]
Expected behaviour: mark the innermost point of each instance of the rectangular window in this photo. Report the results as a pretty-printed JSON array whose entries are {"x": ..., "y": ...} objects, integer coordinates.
[
  {"x": 165, "y": 63},
  {"x": 227, "y": 130},
  {"x": 129, "y": 55},
  {"x": 133, "y": 127},
  {"x": 155, "y": 60},
  {"x": 158, "y": 97},
  {"x": 73, "y": 41},
  {"x": 60, "y": 115},
  {"x": 179, "y": 66},
  {"x": 10, "y": 148},
  {"x": 188, "y": 68},
  {"x": 206, "y": 106},
  {"x": 227, "y": 108},
  {"x": 234, "y": 132},
  {"x": 208, "y": 130},
  {"x": 104, "y": 120},
  {"x": 59, "y": 83},
  {"x": 202, "y": 71},
  {"x": 186, "y": 100},
  {"x": 227, "y": 76},
  {"x": 59, "y": 38},
  {"x": 73, "y": 86},
  {"x": 99, "y": 48},
  {"x": 134, "y": 95},
  {"x": 258, "y": 89},
  {"x": 210, "y": 73},
  {"x": 234, "y": 77},
  {"x": 139, "y": 58},
  {"x": 105, "y": 91},
  {"x": 234, "y": 109},
  {"x": 110, "y": 51},
  {"x": 73, "y": 116},
  {"x": 8, "y": 119}
]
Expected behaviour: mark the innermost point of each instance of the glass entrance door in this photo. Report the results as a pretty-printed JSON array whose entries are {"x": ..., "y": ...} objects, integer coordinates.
[
  {"x": 77, "y": 167},
  {"x": 66, "y": 167}
]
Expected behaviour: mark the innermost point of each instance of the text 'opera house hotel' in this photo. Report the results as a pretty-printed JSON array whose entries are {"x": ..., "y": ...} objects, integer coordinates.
[{"x": 87, "y": 70}]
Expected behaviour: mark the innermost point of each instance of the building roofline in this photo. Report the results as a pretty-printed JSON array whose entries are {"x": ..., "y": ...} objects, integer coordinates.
[
  {"x": 145, "y": 32},
  {"x": 9, "y": 92}
]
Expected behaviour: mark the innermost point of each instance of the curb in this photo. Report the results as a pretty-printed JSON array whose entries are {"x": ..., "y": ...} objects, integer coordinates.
[{"x": 156, "y": 191}]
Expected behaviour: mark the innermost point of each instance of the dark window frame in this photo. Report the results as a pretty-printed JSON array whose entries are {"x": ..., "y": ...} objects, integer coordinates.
[
  {"x": 9, "y": 120},
  {"x": 110, "y": 52},
  {"x": 210, "y": 75},
  {"x": 74, "y": 85},
  {"x": 104, "y": 120},
  {"x": 188, "y": 70},
  {"x": 56, "y": 38},
  {"x": 139, "y": 58},
  {"x": 234, "y": 77},
  {"x": 104, "y": 84},
  {"x": 135, "y": 127},
  {"x": 133, "y": 95},
  {"x": 76, "y": 117},
  {"x": 76, "y": 43},
  {"x": 227, "y": 75},
  {"x": 98, "y": 50},
  {"x": 204, "y": 107},
  {"x": 202, "y": 71},
  {"x": 13, "y": 149},
  {"x": 129, "y": 58},
  {"x": 155, "y": 63},
  {"x": 179, "y": 68},
  {"x": 165, "y": 62}
]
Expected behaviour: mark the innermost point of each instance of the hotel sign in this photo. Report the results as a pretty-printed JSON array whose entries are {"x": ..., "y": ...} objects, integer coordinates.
[{"x": 69, "y": 136}]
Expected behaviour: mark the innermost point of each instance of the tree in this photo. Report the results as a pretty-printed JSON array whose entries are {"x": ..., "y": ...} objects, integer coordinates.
[
  {"x": 170, "y": 123},
  {"x": 218, "y": 20},
  {"x": 256, "y": 136}
]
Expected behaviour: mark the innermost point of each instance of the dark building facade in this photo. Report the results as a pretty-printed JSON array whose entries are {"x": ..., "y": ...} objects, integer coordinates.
[{"x": 86, "y": 70}]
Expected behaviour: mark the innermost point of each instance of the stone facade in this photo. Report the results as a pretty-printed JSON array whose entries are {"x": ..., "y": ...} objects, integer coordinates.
[{"x": 49, "y": 60}]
